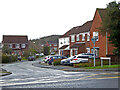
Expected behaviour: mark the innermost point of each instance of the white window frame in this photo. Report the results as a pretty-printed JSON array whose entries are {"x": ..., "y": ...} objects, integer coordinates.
[
  {"x": 88, "y": 37},
  {"x": 72, "y": 38},
  {"x": 83, "y": 37},
  {"x": 88, "y": 50},
  {"x": 78, "y": 38},
  {"x": 10, "y": 45},
  {"x": 17, "y": 45},
  {"x": 95, "y": 34},
  {"x": 23, "y": 46},
  {"x": 55, "y": 44}
]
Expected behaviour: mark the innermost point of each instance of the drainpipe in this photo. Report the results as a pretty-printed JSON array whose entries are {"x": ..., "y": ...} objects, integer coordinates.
[{"x": 106, "y": 45}]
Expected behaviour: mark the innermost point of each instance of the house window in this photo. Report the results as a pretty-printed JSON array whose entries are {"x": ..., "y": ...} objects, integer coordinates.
[
  {"x": 77, "y": 37},
  {"x": 23, "y": 45},
  {"x": 88, "y": 50},
  {"x": 55, "y": 49},
  {"x": 10, "y": 45},
  {"x": 55, "y": 44},
  {"x": 88, "y": 37},
  {"x": 95, "y": 35},
  {"x": 72, "y": 38},
  {"x": 76, "y": 52},
  {"x": 83, "y": 37},
  {"x": 17, "y": 45}
]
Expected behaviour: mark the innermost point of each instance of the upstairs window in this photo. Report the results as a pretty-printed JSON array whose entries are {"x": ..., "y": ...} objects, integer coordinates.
[
  {"x": 78, "y": 38},
  {"x": 83, "y": 37},
  {"x": 10, "y": 45},
  {"x": 73, "y": 38},
  {"x": 95, "y": 35},
  {"x": 88, "y": 37},
  {"x": 17, "y": 45},
  {"x": 23, "y": 45},
  {"x": 55, "y": 44}
]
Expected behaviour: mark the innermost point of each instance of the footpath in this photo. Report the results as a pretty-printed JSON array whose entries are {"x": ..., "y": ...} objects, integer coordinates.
[
  {"x": 3, "y": 72},
  {"x": 72, "y": 69}
]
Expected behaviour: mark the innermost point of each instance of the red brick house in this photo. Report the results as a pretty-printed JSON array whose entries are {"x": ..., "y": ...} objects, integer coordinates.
[
  {"x": 18, "y": 43},
  {"x": 76, "y": 40},
  {"x": 102, "y": 45},
  {"x": 80, "y": 39}
]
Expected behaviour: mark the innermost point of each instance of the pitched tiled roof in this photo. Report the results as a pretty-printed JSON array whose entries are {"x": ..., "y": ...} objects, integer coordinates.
[
  {"x": 102, "y": 12},
  {"x": 15, "y": 39},
  {"x": 79, "y": 29}
]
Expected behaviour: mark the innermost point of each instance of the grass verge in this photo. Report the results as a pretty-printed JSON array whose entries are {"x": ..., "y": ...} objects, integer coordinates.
[{"x": 104, "y": 66}]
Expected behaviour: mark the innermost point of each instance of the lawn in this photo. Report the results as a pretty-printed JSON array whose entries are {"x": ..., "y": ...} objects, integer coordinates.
[{"x": 104, "y": 66}]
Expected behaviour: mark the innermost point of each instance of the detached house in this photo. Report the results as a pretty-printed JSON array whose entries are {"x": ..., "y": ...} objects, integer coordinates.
[
  {"x": 102, "y": 45},
  {"x": 18, "y": 43}
]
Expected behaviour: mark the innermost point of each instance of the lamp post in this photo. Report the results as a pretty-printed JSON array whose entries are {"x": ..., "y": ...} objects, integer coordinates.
[{"x": 94, "y": 39}]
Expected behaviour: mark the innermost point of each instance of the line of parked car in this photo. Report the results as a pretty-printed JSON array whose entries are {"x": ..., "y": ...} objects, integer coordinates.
[{"x": 83, "y": 57}]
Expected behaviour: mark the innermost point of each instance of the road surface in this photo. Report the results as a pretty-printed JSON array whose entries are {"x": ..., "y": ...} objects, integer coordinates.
[{"x": 25, "y": 75}]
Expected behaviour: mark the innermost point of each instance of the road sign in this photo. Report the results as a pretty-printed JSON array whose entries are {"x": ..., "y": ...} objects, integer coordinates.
[{"x": 94, "y": 40}]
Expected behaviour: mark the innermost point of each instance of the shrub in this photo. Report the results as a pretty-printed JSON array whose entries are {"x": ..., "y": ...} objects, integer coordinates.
[
  {"x": 56, "y": 63},
  {"x": 8, "y": 58}
]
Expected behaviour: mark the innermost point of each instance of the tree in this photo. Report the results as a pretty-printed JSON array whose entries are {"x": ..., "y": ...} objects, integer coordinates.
[
  {"x": 46, "y": 50},
  {"x": 111, "y": 24},
  {"x": 6, "y": 49}
]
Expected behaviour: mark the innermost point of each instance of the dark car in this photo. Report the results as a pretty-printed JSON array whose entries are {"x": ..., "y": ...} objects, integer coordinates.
[
  {"x": 19, "y": 58},
  {"x": 54, "y": 58},
  {"x": 31, "y": 58}
]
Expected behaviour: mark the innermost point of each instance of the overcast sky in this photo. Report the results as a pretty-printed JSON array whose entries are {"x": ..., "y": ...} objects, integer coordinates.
[{"x": 38, "y": 18}]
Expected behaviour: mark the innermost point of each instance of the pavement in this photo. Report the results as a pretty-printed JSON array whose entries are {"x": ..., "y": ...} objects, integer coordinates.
[
  {"x": 3, "y": 72},
  {"x": 72, "y": 69}
]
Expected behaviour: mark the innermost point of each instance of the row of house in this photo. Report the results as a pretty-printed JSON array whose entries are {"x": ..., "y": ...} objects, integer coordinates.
[
  {"x": 78, "y": 39},
  {"x": 19, "y": 43}
]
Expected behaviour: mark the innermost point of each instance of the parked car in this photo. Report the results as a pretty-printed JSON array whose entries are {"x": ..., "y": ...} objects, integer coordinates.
[
  {"x": 46, "y": 59},
  {"x": 81, "y": 58},
  {"x": 19, "y": 58},
  {"x": 54, "y": 58},
  {"x": 67, "y": 61},
  {"x": 31, "y": 58},
  {"x": 41, "y": 54}
]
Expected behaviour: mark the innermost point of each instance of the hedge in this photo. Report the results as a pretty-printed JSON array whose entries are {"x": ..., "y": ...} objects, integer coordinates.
[
  {"x": 91, "y": 63},
  {"x": 8, "y": 58}
]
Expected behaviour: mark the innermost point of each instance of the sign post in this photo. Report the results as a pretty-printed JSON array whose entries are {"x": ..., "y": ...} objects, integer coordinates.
[{"x": 94, "y": 39}]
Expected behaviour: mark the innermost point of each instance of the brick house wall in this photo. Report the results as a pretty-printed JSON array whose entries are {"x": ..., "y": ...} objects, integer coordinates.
[{"x": 101, "y": 43}]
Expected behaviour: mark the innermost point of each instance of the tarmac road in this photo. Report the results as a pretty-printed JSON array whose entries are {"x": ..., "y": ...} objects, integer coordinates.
[{"x": 26, "y": 75}]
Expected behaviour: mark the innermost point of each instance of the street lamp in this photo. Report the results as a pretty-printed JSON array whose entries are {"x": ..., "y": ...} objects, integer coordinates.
[{"x": 94, "y": 39}]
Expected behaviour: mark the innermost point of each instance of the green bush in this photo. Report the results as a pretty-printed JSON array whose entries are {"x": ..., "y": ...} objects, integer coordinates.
[
  {"x": 37, "y": 56},
  {"x": 8, "y": 58},
  {"x": 56, "y": 62}
]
